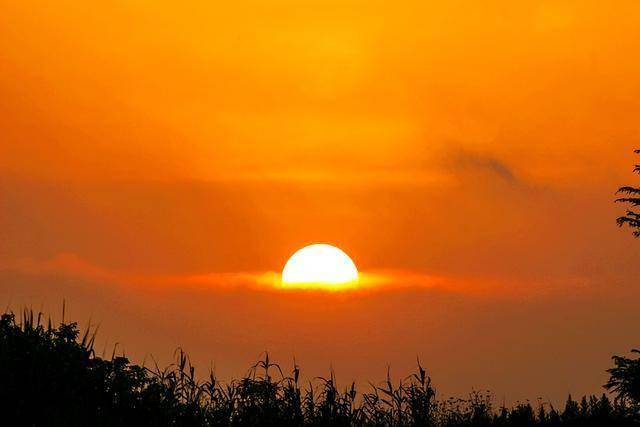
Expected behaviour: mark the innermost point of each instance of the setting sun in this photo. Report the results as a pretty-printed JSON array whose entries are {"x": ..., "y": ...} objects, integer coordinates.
[{"x": 320, "y": 266}]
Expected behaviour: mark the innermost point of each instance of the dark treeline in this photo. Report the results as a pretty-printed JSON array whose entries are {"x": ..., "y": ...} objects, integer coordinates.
[{"x": 50, "y": 375}]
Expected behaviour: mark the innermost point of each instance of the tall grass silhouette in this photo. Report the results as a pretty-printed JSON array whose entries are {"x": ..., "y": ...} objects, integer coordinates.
[{"x": 51, "y": 375}]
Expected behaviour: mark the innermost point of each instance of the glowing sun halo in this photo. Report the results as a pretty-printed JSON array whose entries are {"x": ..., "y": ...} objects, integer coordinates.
[{"x": 320, "y": 266}]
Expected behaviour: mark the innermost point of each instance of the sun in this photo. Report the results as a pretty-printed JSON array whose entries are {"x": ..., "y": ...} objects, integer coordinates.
[{"x": 320, "y": 266}]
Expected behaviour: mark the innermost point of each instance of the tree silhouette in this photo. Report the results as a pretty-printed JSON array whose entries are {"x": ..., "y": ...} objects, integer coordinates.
[
  {"x": 624, "y": 379},
  {"x": 631, "y": 218}
]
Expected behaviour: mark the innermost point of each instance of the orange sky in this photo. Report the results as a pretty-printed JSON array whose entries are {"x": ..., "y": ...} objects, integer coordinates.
[{"x": 157, "y": 162}]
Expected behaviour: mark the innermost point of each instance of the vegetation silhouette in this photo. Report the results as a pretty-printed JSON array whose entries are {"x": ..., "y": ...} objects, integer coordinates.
[
  {"x": 631, "y": 218},
  {"x": 51, "y": 376}
]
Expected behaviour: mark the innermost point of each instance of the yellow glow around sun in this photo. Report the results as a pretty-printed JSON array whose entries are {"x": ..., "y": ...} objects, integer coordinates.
[{"x": 320, "y": 266}]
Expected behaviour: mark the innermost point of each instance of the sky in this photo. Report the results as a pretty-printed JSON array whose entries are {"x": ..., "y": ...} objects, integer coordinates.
[{"x": 159, "y": 163}]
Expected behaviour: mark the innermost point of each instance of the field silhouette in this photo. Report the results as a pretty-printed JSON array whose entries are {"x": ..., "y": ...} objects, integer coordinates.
[{"x": 51, "y": 375}]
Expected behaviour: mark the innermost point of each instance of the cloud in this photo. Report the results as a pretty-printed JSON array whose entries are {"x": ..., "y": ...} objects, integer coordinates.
[
  {"x": 72, "y": 265},
  {"x": 390, "y": 280},
  {"x": 476, "y": 161}
]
